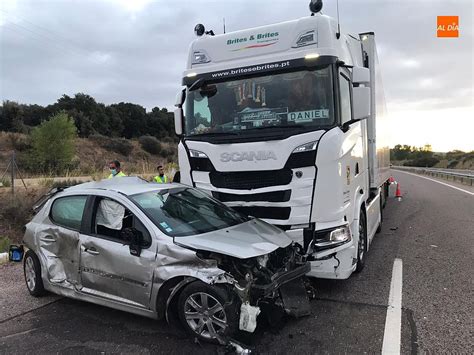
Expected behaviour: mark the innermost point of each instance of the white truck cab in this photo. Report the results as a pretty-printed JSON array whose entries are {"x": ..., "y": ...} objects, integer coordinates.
[{"x": 283, "y": 122}]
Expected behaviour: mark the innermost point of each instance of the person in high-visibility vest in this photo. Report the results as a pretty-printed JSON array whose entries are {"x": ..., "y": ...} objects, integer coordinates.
[
  {"x": 115, "y": 170},
  {"x": 161, "y": 178}
]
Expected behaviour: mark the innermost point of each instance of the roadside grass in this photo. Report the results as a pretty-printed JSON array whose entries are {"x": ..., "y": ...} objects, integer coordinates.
[
  {"x": 16, "y": 211},
  {"x": 4, "y": 244}
]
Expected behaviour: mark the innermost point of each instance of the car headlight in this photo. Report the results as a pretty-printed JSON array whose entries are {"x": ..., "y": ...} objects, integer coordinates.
[
  {"x": 307, "y": 147},
  {"x": 197, "y": 154},
  {"x": 262, "y": 260}
]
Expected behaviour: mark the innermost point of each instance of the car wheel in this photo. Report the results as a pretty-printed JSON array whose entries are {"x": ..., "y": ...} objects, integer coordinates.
[
  {"x": 32, "y": 271},
  {"x": 207, "y": 312},
  {"x": 362, "y": 244}
]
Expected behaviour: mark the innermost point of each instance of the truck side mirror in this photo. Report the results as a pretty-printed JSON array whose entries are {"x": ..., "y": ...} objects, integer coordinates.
[
  {"x": 180, "y": 96},
  {"x": 360, "y": 75},
  {"x": 361, "y": 99},
  {"x": 178, "y": 121},
  {"x": 178, "y": 112}
]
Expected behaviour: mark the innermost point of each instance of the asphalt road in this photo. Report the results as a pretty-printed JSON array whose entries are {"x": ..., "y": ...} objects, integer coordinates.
[{"x": 430, "y": 230}]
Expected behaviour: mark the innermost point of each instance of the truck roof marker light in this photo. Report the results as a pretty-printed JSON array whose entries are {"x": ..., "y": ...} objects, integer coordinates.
[
  {"x": 191, "y": 75},
  {"x": 311, "y": 56},
  {"x": 200, "y": 57}
]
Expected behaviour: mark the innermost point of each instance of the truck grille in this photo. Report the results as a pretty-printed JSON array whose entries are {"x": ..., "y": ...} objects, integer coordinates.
[
  {"x": 273, "y": 196},
  {"x": 247, "y": 180},
  {"x": 265, "y": 212}
]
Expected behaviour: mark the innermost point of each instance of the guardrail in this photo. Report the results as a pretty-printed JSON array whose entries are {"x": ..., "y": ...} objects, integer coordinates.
[{"x": 463, "y": 176}]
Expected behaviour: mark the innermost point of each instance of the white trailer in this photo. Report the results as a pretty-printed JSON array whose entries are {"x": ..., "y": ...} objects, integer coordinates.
[{"x": 284, "y": 122}]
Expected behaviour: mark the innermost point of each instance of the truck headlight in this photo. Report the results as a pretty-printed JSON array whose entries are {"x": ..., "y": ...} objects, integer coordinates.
[
  {"x": 333, "y": 238},
  {"x": 342, "y": 234},
  {"x": 197, "y": 154},
  {"x": 307, "y": 147}
]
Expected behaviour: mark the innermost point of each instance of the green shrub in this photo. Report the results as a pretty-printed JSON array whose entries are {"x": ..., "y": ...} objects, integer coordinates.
[
  {"x": 165, "y": 153},
  {"x": 4, "y": 244},
  {"x": 66, "y": 183},
  {"x": 116, "y": 145},
  {"x": 18, "y": 142},
  {"x": 150, "y": 144},
  {"x": 422, "y": 162},
  {"x": 53, "y": 143},
  {"x": 5, "y": 183},
  {"x": 452, "y": 164},
  {"x": 16, "y": 213}
]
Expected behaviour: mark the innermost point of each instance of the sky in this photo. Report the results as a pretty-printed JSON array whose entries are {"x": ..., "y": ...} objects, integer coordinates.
[{"x": 136, "y": 50}]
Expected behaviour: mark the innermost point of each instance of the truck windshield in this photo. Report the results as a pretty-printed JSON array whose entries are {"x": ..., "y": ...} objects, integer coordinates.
[
  {"x": 299, "y": 99},
  {"x": 183, "y": 211}
]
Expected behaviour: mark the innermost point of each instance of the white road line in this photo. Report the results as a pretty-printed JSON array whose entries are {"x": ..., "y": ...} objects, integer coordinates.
[
  {"x": 439, "y": 182},
  {"x": 393, "y": 322}
]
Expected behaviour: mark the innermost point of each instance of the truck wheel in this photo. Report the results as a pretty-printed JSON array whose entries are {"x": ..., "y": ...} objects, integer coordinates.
[
  {"x": 362, "y": 244},
  {"x": 32, "y": 271},
  {"x": 207, "y": 312}
]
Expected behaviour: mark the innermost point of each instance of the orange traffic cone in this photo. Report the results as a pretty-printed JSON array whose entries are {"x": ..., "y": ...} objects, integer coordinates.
[
  {"x": 391, "y": 180},
  {"x": 398, "y": 193}
]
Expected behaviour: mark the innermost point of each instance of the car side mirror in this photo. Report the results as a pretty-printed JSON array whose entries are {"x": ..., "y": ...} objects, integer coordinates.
[{"x": 134, "y": 238}]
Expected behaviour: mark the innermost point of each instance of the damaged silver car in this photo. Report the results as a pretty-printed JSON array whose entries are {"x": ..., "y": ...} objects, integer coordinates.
[{"x": 163, "y": 251}]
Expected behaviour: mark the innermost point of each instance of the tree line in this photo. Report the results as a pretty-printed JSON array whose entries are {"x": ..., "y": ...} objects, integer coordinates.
[{"x": 90, "y": 117}]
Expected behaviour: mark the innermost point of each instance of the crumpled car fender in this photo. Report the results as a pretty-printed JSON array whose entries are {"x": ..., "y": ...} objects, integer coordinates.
[{"x": 176, "y": 267}]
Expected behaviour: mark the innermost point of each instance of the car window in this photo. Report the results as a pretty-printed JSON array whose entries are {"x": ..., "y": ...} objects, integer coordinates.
[
  {"x": 111, "y": 218},
  {"x": 68, "y": 211},
  {"x": 181, "y": 212}
]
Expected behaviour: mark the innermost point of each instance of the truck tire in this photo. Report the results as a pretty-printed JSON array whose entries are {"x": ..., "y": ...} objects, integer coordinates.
[
  {"x": 362, "y": 243},
  {"x": 206, "y": 310},
  {"x": 32, "y": 272}
]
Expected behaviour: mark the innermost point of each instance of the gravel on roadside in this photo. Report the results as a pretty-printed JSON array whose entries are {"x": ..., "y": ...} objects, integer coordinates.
[{"x": 14, "y": 296}]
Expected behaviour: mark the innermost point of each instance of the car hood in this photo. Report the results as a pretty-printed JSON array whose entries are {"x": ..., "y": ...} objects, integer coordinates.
[{"x": 249, "y": 239}]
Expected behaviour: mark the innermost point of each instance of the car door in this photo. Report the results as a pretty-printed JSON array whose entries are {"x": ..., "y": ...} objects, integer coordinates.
[
  {"x": 108, "y": 269},
  {"x": 58, "y": 240}
]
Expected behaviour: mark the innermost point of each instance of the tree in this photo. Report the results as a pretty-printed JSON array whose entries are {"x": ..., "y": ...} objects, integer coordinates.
[
  {"x": 11, "y": 118},
  {"x": 53, "y": 142}
]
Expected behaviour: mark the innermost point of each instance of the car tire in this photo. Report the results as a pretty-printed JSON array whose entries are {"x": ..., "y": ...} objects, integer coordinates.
[
  {"x": 32, "y": 272},
  {"x": 362, "y": 243},
  {"x": 205, "y": 311}
]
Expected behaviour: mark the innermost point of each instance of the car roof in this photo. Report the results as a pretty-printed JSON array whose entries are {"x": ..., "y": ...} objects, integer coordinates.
[{"x": 127, "y": 185}]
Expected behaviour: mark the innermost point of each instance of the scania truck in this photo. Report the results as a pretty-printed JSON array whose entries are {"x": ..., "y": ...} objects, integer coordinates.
[{"x": 286, "y": 122}]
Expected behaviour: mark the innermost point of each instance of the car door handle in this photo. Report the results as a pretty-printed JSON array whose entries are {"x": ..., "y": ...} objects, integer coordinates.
[
  {"x": 48, "y": 238},
  {"x": 91, "y": 251}
]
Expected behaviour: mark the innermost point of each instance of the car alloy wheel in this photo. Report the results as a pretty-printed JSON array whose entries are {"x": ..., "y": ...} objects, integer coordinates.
[
  {"x": 205, "y": 315},
  {"x": 30, "y": 274}
]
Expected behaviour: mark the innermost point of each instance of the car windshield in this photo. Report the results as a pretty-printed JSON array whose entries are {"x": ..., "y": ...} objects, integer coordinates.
[
  {"x": 299, "y": 99},
  {"x": 183, "y": 211}
]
